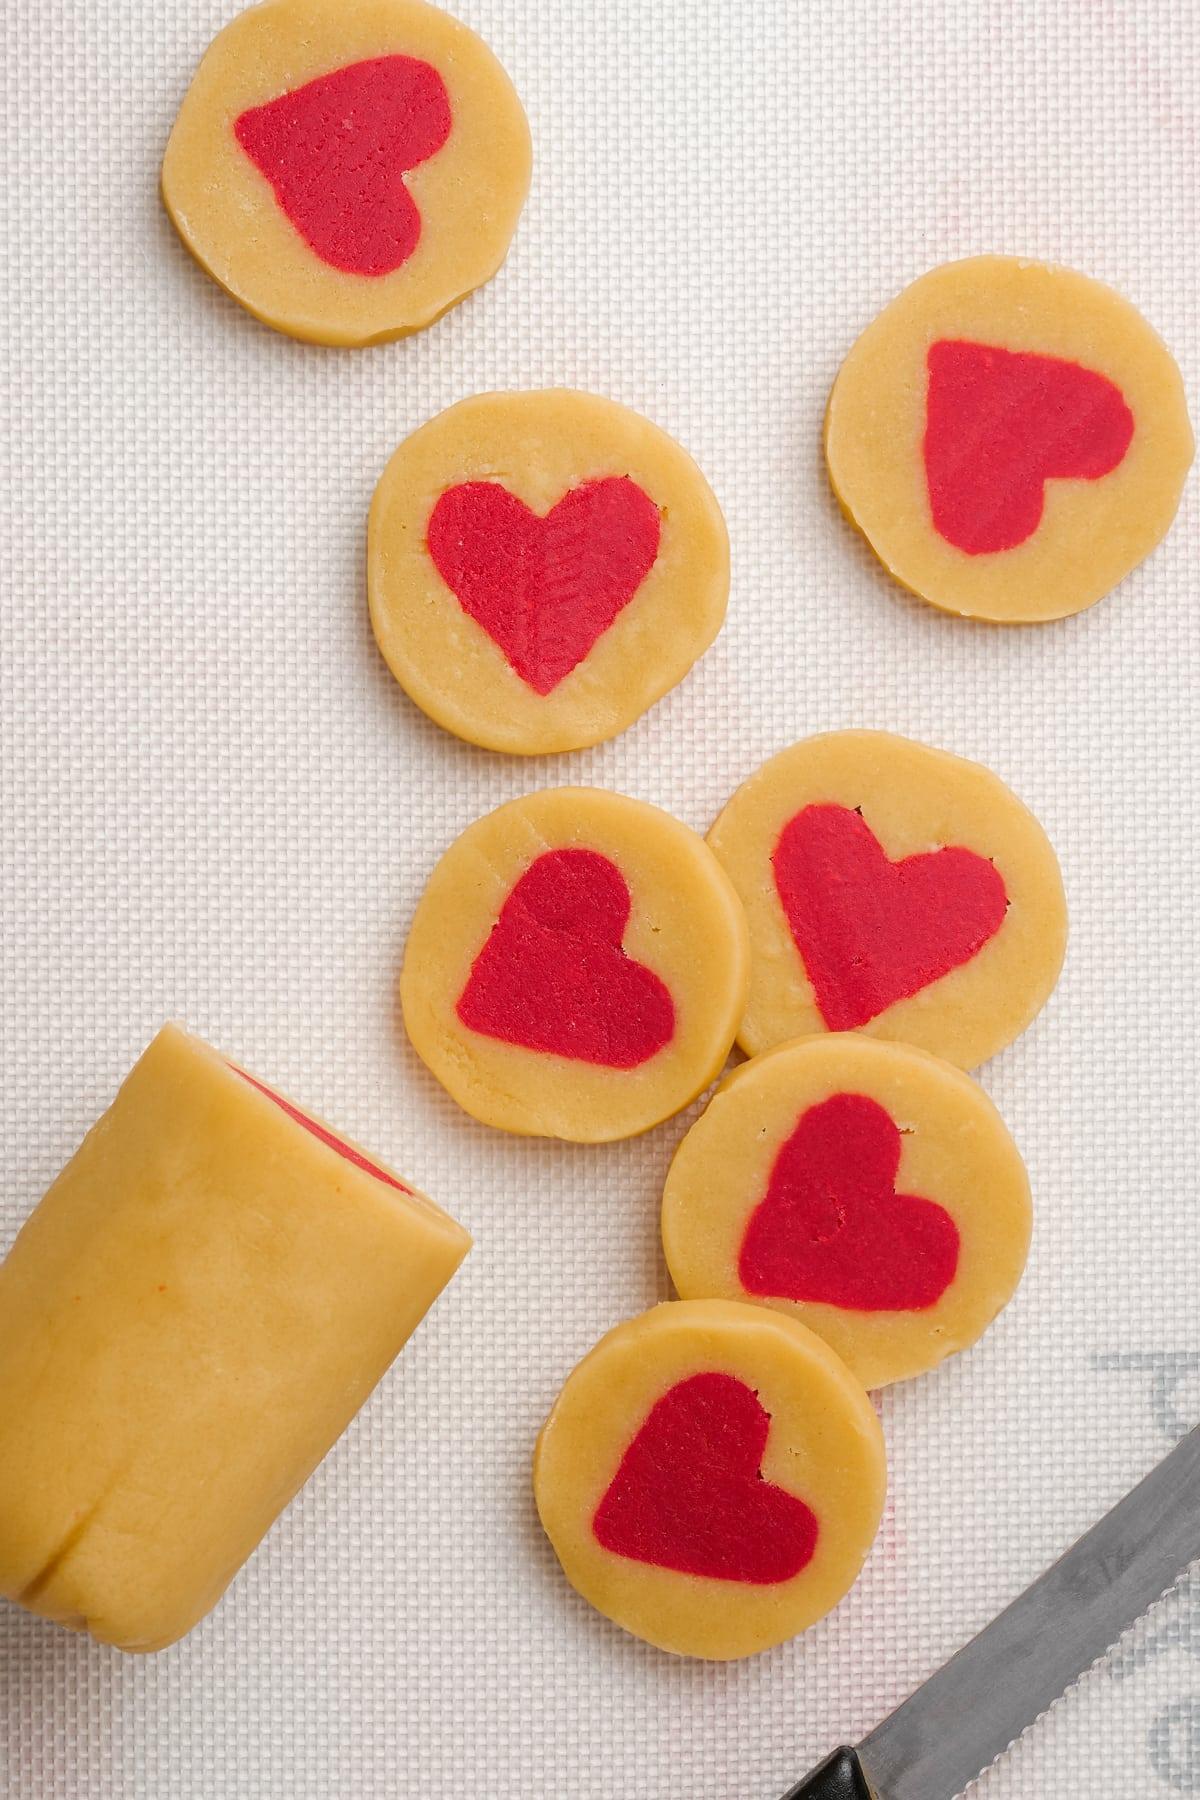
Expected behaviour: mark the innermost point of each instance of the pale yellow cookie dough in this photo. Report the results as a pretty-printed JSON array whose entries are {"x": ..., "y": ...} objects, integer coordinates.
[
  {"x": 698, "y": 1493},
  {"x": 469, "y": 192},
  {"x": 664, "y": 989},
  {"x": 543, "y": 449},
  {"x": 1092, "y": 531},
  {"x": 914, "y": 802},
  {"x": 189, "y": 1319},
  {"x": 745, "y": 1204}
]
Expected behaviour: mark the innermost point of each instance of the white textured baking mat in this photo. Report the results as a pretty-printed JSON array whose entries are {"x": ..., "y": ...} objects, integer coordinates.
[{"x": 218, "y": 806}]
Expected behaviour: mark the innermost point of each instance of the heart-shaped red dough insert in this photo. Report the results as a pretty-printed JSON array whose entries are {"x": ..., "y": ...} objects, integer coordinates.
[
  {"x": 689, "y": 1492},
  {"x": 545, "y": 588},
  {"x": 553, "y": 975},
  {"x": 832, "y": 1227},
  {"x": 323, "y": 1133},
  {"x": 870, "y": 931},
  {"x": 999, "y": 424},
  {"x": 335, "y": 152}
]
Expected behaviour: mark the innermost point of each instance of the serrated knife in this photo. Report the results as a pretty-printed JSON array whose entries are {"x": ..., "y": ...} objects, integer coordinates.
[{"x": 969, "y": 1713}]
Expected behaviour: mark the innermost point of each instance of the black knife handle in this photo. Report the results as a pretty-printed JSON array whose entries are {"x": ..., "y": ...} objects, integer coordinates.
[{"x": 840, "y": 1777}]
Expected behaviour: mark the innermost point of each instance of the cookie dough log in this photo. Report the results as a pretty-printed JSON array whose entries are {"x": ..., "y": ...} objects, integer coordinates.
[
  {"x": 711, "y": 1478},
  {"x": 864, "y": 1188},
  {"x": 348, "y": 169},
  {"x": 190, "y": 1318}
]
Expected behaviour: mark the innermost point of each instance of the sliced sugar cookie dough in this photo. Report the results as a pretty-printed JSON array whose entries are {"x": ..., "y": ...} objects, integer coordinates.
[
  {"x": 892, "y": 889},
  {"x": 188, "y": 1320},
  {"x": 711, "y": 1478},
  {"x": 576, "y": 967},
  {"x": 348, "y": 169},
  {"x": 1011, "y": 438},
  {"x": 542, "y": 567},
  {"x": 867, "y": 1189}
]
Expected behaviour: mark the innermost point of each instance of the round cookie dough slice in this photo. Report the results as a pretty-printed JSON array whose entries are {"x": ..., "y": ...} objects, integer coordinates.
[
  {"x": 1011, "y": 438},
  {"x": 542, "y": 567},
  {"x": 867, "y": 1189},
  {"x": 892, "y": 889},
  {"x": 348, "y": 169},
  {"x": 711, "y": 1478},
  {"x": 577, "y": 966}
]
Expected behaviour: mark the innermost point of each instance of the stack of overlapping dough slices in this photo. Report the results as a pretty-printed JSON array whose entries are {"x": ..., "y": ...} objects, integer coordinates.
[{"x": 868, "y": 917}]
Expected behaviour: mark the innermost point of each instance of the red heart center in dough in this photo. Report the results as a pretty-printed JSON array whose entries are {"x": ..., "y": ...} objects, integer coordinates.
[
  {"x": 553, "y": 976},
  {"x": 689, "y": 1493},
  {"x": 869, "y": 931},
  {"x": 320, "y": 1131},
  {"x": 999, "y": 424},
  {"x": 335, "y": 152},
  {"x": 545, "y": 588},
  {"x": 832, "y": 1226}
]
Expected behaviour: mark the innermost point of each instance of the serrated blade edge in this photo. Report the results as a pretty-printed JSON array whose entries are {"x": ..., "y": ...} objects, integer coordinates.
[{"x": 980, "y": 1702}]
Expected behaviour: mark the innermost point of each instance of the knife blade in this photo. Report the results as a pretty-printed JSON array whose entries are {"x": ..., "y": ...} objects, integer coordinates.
[{"x": 975, "y": 1707}]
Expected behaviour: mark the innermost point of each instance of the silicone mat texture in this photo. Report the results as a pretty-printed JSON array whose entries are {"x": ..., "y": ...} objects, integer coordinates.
[{"x": 217, "y": 806}]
